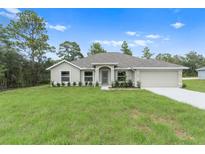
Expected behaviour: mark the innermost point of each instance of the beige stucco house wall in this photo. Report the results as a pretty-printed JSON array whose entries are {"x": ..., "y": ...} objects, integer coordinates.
[
  {"x": 56, "y": 73},
  {"x": 147, "y": 78},
  {"x": 104, "y": 68}
]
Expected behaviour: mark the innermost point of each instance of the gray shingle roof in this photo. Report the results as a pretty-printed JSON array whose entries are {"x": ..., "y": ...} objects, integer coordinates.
[
  {"x": 201, "y": 69},
  {"x": 124, "y": 61}
]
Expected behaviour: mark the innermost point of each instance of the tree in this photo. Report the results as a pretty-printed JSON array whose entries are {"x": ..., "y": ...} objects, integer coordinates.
[
  {"x": 29, "y": 36},
  {"x": 165, "y": 57},
  {"x": 125, "y": 49},
  {"x": 193, "y": 61},
  {"x": 69, "y": 51},
  {"x": 146, "y": 53},
  {"x": 96, "y": 48},
  {"x": 177, "y": 59},
  {"x": 4, "y": 38},
  {"x": 2, "y": 71}
]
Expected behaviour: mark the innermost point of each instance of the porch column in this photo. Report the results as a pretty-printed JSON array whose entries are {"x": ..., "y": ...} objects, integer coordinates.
[
  {"x": 112, "y": 74},
  {"x": 136, "y": 77},
  {"x": 97, "y": 74},
  {"x": 180, "y": 78}
]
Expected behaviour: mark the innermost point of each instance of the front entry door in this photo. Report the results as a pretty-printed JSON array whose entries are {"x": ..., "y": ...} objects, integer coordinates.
[{"x": 104, "y": 77}]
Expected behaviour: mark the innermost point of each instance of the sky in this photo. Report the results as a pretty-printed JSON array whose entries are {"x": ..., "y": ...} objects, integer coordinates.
[{"x": 174, "y": 31}]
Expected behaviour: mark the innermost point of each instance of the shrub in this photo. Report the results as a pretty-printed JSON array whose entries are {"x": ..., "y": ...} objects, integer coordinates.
[
  {"x": 53, "y": 84},
  {"x": 138, "y": 84},
  {"x": 90, "y": 83},
  {"x": 116, "y": 84},
  {"x": 125, "y": 84},
  {"x": 43, "y": 82},
  {"x": 74, "y": 83},
  {"x": 183, "y": 85},
  {"x": 130, "y": 83},
  {"x": 121, "y": 84},
  {"x": 63, "y": 84},
  {"x": 79, "y": 83},
  {"x": 97, "y": 84},
  {"x": 58, "y": 84},
  {"x": 113, "y": 84},
  {"x": 86, "y": 83},
  {"x": 68, "y": 84}
]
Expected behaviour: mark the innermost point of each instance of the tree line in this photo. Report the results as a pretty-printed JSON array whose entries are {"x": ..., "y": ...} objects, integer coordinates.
[{"x": 24, "y": 47}]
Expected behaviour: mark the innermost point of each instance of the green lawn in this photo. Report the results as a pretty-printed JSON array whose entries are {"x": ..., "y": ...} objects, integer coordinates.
[
  {"x": 73, "y": 115},
  {"x": 196, "y": 85}
]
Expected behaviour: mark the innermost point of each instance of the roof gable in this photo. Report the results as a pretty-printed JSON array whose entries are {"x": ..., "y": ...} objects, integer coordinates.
[{"x": 63, "y": 61}]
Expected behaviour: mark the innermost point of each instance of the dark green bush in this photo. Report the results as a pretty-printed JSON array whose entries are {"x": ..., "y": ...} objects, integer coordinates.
[
  {"x": 125, "y": 84},
  {"x": 68, "y": 84},
  {"x": 90, "y": 83},
  {"x": 86, "y": 83},
  {"x": 63, "y": 84},
  {"x": 184, "y": 85},
  {"x": 79, "y": 83},
  {"x": 138, "y": 84},
  {"x": 129, "y": 83},
  {"x": 58, "y": 84},
  {"x": 97, "y": 84},
  {"x": 116, "y": 84},
  {"x": 113, "y": 85},
  {"x": 74, "y": 83},
  {"x": 121, "y": 84},
  {"x": 53, "y": 84}
]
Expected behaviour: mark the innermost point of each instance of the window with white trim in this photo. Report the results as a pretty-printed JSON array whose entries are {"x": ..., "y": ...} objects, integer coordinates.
[
  {"x": 65, "y": 76},
  {"x": 88, "y": 76},
  {"x": 121, "y": 76}
]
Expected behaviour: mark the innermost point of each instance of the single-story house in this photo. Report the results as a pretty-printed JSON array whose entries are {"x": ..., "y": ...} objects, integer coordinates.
[
  {"x": 105, "y": 68},
  {"x": 201, "y": 73}
]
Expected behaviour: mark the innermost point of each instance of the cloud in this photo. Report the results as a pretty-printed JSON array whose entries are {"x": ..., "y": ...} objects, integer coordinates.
[
  {"x": 57, "y": 27},
  {"x": 131, "y": 44},
  {"x": 12, "y": 10},
  {"x": 153, "y": 36},
  {"x": 178, "y": 25},
  {"x": 166, "y": 38},
  {"x": 131, "y": 33},
  {"x": 142, "y": 42},
  {"x": 10, "y": 13},
  {"x": 109, "y": 42},
  {"x": 134, "y": 43}
]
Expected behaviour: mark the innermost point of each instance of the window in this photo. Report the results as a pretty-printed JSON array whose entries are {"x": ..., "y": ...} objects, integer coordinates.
[
  {"x": 65, "y": 76},
  {"x": 88, "y": 76},
  {"x": 121, "y": 76}
]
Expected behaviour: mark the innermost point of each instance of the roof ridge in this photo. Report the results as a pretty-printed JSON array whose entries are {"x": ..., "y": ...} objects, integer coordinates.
[{"x": 124, "y": 60}]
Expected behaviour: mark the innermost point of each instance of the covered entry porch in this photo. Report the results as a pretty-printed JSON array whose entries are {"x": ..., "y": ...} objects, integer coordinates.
[
  {"x": 107, "y": 74},
  {"x": 104, "y": 74}
]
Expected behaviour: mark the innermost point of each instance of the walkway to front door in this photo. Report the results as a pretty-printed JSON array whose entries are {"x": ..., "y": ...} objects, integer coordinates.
[{"x": 104, "y": 87}]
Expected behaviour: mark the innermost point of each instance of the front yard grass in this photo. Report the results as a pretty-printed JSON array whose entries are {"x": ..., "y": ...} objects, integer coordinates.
[
  {"x": 86, "y": 115},
  {"x": 195, "y": 85}
]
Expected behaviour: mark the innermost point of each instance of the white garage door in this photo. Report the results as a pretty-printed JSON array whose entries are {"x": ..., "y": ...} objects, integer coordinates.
[{"x": 159, "y": 78}]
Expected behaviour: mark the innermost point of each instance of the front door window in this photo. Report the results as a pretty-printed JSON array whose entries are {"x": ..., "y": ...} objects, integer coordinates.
[{"x": 104, "y": 77}]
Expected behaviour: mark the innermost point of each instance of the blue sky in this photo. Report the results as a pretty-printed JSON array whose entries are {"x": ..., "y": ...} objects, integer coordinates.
[{"x": 176, "y": 31}]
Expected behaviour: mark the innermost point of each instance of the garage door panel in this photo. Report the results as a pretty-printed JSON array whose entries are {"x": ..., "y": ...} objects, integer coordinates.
[{"x": 159, "y": 78}]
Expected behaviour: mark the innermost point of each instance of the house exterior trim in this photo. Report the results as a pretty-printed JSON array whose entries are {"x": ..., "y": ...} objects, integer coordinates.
[
  {"x": 160, "y": 68},
  {"x": 61, "y": 63}
]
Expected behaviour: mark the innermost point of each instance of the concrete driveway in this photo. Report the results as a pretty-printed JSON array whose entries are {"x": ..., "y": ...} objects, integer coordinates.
[{"x": 196, "y": 99}]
